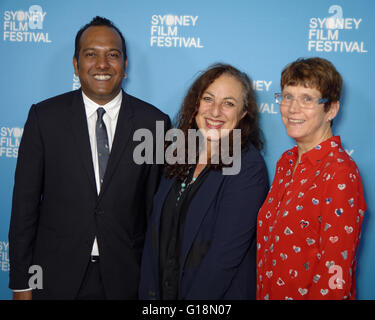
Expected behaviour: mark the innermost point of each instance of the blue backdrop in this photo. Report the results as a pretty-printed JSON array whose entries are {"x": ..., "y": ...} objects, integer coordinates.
[{"x": 168, "y": 43}]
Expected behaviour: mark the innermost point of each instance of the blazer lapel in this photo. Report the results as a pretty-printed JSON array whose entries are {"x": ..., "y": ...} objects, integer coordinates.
[
  {"x": 197, "y": 211},
  {"x": 124, "y": 128},
  {"x": 198, "y": 208},
  {"x": 80, "y": 131}
]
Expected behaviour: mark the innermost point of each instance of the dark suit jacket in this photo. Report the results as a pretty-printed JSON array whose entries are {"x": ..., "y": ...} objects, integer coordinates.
[
  {"x": 218, "y": 256},
  {"x": 56, "y": 210}
]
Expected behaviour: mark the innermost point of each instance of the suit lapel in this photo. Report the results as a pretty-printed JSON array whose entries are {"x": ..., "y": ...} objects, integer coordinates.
[
  {"x": 124, "y": 128},
  {"x": 198, "y": 209},
  {"x": 78, "y": 121}
]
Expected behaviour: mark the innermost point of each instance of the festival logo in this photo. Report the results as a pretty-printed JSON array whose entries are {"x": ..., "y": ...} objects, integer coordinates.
[
  {"x": 76, "y": 82},
  {"x": 25, "y": 26},
  {"x": 10, "y": 139},
  {"x": 325, "y": 34},
  {"x": 264, "y": 86},
  {"x": 174, "y": 31},
  {"x": 4, "y": 257}
]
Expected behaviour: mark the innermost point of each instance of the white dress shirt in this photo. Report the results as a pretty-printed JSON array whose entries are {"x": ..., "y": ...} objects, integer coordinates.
[{"x": 110, "y": 116}]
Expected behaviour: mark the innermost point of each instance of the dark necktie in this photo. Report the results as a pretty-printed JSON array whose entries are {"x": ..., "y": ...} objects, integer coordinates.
[{"x": 102, "y": 144}]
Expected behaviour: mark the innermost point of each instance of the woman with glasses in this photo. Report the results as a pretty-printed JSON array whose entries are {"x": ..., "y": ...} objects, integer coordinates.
[{"x": 309, "y": 226}]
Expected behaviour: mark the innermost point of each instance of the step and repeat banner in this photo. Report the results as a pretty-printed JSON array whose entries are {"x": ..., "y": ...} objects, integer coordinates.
[{"x": 168, "y": 43}]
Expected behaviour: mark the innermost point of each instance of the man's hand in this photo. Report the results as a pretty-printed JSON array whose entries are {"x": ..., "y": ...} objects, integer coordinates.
[{"x": 23, "y": 295}]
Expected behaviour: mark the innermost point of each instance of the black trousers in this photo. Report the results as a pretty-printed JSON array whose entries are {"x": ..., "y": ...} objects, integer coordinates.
[{"x": 92, "y": 286}]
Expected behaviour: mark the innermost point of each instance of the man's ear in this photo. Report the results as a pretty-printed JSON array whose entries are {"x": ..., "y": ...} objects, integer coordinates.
[
  {"x": 75, "y": 65},
  {"x": 125, "y": 66}
]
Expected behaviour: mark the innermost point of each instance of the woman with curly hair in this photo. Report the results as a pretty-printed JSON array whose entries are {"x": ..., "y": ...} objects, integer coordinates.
[{"x": 201, "y": 242}]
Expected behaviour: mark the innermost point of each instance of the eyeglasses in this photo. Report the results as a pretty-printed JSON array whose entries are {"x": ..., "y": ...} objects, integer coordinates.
[{"x": 305, "y": 101}]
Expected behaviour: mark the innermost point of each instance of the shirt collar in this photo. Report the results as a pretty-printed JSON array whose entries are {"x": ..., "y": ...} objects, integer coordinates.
[
  {"x": 112, "y": 108},
  {"x": 318, "y": 152}
]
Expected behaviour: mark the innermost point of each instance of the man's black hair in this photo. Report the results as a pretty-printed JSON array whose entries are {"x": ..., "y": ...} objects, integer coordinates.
[{"x": 98, "y": 21}]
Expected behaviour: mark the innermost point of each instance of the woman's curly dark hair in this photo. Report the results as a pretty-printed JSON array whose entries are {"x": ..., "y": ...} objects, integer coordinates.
[{"x": 185, "y": 118}]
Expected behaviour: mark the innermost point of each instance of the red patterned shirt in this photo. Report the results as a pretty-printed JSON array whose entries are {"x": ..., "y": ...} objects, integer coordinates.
[{"x": 309, "y": 226}]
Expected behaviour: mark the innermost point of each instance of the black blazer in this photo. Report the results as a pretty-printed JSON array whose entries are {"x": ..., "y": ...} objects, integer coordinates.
[
  {"x": 218, "y": 255},
  {"x": 56, "y": 211}
]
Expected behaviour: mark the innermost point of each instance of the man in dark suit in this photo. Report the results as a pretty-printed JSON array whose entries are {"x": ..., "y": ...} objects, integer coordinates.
[{"x": 80, "y": 202}]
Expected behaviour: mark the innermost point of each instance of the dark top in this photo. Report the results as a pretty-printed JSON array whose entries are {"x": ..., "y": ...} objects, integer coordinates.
[{"x": 172, "y": 225}]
